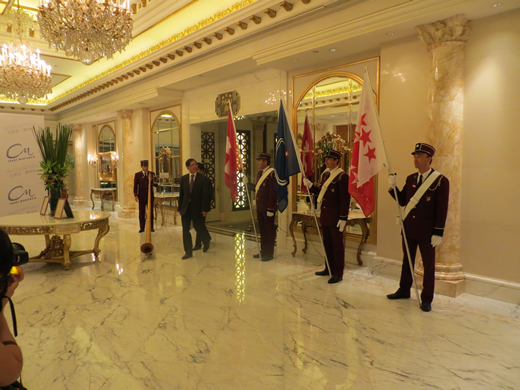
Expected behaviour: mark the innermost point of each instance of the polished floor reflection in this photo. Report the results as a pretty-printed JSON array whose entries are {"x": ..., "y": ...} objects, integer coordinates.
[{"x": 223, "y": 320}]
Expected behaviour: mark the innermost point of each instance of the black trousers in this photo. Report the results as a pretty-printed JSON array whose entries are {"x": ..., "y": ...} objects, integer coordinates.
[
  {"x": 267, "y": 234},
  {"x": 199, "y": 225},
  {"x": 334, "y": 249},
  {"x": 428, "y": 257},
  {"x": 142, "y": 213},
  {"x": 198, "y": 240}
]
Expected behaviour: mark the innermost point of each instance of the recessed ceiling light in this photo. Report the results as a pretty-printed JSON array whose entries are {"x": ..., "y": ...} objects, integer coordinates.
[
  {"x": 295, "y": 60},
  {"x": 332, "y": 116},
  {"x": 497, "y": 4},
  {"x": 390, "y": 33},
  {"x": 332, "y": 49}
]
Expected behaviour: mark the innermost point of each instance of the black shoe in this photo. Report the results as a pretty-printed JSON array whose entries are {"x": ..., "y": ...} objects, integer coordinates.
[
  {"x": 257, "y": 256},
  {"x": 267, "y": 258},
  {"x": 335, "y": 279},
  {"x": 205, "y": 247},
  {"x": 426, "y": 306},
  {"x": 398, "y": 295},
  {"x": 141, "y": 230},
  {"x": 186, "y": 256},
  {"x": 153, "y": 230},
  {"x": 197, "y": 247},
  {"x": 322, "y": 273}
]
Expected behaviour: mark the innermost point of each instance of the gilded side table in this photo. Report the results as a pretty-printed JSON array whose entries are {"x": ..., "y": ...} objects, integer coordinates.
[{"x": 57, "y": 249}]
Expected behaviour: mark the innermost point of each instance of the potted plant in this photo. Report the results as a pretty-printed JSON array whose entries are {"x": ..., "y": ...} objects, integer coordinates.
[{"x": 56, "y": 163}]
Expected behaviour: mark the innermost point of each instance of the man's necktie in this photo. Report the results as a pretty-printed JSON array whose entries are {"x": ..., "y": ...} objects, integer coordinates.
[
  {"x": 191, "y": 182},
  {"x": 420, "y": 181}
]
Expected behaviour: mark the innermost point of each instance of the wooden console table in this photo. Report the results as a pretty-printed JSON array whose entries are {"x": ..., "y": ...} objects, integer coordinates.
[
  {"x": 355, "y": 217},
  {"x": 159, "y": 199},
  {"x": 57, "y": 248},
  {"x": 102, "y": 194}
]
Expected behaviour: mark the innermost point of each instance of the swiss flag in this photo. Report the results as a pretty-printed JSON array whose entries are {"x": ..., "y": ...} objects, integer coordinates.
[
  {"x": 368, "y": 152},
  {"x": 307, "y": 153},
  {"x": 233, "y": 159}
]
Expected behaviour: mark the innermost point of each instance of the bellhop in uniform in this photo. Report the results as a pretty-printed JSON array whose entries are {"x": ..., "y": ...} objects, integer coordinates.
[
  {"x": 265, "y": 205},
  {"x": 141, "y": 193},
  {"x": 425, "y": 197},
  {"x": 333, "y": 203}
]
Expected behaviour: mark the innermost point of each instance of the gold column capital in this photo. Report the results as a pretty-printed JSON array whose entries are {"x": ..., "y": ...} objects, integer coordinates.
[
  {"x": 76, "y": 127},
  {"x": 125, "y": 114},
  {"x": 451, "y": 30}
]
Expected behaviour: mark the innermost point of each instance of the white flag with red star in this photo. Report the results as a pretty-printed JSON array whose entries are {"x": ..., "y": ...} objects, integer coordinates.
[{"x": 368, "y": 152}]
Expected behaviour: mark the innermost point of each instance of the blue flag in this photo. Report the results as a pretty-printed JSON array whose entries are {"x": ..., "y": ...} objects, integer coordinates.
[{"x": 286, "y": 159}]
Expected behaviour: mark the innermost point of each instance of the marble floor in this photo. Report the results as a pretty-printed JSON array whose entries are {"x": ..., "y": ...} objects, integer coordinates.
[{"x": 223, "y": 320}]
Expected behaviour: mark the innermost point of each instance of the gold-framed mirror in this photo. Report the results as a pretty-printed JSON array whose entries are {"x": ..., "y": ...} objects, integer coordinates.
[
  {"x": 330, "y": 101},
  {"x": 166, "y": 144},
  {"x": 108, "y": 158},
  {"x": 107, "y": 167},
  {"x": 106, "y": 139}
]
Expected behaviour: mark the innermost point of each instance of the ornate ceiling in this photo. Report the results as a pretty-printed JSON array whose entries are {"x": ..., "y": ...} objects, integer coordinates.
[{"x": 174, "y": 41}]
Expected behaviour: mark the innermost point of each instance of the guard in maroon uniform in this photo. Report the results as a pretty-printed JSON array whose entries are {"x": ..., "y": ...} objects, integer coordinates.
[
  {"x": 265, "y": 205},
  {"x": 141, "y": 193},
  {"x": 425, "y": 197},
  {"x": 333, "y": 203}
]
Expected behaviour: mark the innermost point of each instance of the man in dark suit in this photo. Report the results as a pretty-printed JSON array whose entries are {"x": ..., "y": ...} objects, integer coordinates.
[
  {"x": 198, "y": 240},
  {"x": 194, "y": 206},
  {"x": 265, "y": 205},
  {"x": 141, "y": 193},
  {"x": 425, "y": 196},
  {"x": 333, "y": 203}
]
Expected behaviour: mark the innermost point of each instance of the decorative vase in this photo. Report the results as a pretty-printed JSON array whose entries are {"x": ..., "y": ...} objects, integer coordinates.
[{"x": 54, "y": 195}]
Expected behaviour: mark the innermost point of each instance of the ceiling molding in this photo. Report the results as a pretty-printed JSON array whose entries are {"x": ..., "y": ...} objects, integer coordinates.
[{"x": 138, "y": 70}]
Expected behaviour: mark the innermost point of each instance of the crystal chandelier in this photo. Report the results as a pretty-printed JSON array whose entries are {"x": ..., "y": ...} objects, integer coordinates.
[
  {"x": 86, "y": 29},
  {"x": 23, "y": 74}
]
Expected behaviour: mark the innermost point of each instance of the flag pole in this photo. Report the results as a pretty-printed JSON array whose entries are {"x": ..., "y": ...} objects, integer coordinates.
[
  {"x": 310, "y": 196},
  {"x": 246, "y": 189},
  {"x": 399, "y": 211}
]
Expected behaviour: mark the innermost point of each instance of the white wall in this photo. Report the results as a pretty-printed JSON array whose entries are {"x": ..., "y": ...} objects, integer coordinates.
[{"x": 490, "y": 205}]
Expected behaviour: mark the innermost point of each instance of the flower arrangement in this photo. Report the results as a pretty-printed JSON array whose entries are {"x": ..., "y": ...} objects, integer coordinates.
[{"x": 56, "y": 162}]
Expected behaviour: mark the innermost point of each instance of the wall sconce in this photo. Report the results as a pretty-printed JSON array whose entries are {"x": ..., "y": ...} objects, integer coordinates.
[
  {"x": 115, "y": 159},
  {"x": 92, "y": 161}
]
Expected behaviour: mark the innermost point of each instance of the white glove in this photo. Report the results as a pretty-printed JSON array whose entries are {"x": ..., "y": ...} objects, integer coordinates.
[
  {"x": 392, "y": 180},
  {"x": 307, "y": 182},
  {"x": 270, "y": 214},
  {"x": 436, "y": 240},
  {"x": 341, "y": 225},
  {"x": 245, "y": 180}
]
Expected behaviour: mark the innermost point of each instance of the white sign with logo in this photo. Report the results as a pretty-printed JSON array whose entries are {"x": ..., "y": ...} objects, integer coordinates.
[{"x": 22, "y": 190}]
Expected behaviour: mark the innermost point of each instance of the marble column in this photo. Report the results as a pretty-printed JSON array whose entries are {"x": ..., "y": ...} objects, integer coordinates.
[
  {"x": 446, "y": 41},
  {"x": 127, "y": 160},
  {"x": 79, "y": 160}
]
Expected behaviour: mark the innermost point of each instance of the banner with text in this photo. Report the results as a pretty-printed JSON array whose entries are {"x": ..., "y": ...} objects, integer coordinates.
[{"x": 22, "y": 191}]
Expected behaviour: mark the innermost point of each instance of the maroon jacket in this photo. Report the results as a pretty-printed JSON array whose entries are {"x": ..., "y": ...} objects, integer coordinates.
[
  {"x": 428, "y": 217},
  {"x": 141, "y": 185},
  {"x": 266, "y": 195},
  {"x": 336, "y": 201}
]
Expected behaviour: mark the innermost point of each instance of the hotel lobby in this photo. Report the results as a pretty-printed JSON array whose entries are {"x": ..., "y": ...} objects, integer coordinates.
[{"x": 444, "y": 72}]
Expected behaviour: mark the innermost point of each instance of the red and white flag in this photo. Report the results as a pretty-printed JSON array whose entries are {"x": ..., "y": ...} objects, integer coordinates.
[
  {"x": 368, "y": 153},
  {"x": 307, "y": 153},
  {"x": 233, "y": 160}
]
